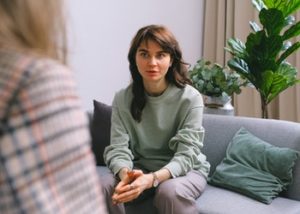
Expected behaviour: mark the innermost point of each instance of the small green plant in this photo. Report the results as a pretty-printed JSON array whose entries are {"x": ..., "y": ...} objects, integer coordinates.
[{"x": 214, "y": 80}]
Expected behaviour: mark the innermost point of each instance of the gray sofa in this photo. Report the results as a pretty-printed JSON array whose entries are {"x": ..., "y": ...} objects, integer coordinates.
[{"x": 219, "y": 132}]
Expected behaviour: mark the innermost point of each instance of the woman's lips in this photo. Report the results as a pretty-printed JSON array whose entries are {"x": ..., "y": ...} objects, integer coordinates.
[{"x": 152, "y": 72}]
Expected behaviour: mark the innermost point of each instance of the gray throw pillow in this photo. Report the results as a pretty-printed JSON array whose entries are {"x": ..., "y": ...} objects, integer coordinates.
[{"x": 255, "y": 168}]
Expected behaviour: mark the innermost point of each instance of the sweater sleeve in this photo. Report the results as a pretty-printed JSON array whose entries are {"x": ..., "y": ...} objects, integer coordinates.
[
  {"x": 118, "y": 155},
  {"x": 187, "y": 144}
]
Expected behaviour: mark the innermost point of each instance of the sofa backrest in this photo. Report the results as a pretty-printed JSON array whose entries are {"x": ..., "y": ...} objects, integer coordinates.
[
  {"x": 220, "y": 129},
  {"x": 100, "y": 129}
]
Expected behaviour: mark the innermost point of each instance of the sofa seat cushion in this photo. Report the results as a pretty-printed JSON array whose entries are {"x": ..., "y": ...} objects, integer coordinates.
[{"x": 217, "y": 200}]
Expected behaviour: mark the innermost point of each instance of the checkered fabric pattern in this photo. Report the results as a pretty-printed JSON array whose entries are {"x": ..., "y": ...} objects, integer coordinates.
[{"x": 46, "y": 164}]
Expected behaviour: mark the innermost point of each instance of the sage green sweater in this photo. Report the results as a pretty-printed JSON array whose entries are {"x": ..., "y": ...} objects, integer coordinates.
[{"x": 169, "y": 136}]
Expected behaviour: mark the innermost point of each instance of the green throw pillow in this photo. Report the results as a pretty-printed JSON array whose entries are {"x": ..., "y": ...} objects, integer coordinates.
[{"x": 255, "y": 168}]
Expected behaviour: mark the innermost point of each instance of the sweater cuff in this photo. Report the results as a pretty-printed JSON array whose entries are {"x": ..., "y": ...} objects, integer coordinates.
[
  {"x": 174, "y": 168},
  {"x": 115, "y": 169}
]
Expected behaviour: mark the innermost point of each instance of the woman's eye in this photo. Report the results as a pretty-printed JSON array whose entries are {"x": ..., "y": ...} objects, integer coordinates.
[
  {"x": 144, "y": 55},
  {"x": 160, "y": 56}
]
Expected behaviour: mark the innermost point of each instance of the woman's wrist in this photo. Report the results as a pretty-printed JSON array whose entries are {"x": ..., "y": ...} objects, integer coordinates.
[{"x": 151, "y": 180}]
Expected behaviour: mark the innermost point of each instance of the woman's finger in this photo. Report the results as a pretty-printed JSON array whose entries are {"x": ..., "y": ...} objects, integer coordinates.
[{"x": 131, "y": 193}]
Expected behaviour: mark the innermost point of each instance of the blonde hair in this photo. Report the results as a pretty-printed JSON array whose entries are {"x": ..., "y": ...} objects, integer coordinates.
[{"x": 34, "y": 25}]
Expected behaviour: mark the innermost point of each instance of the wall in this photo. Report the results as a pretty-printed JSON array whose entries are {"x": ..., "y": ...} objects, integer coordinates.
[{"x": 100, "y": 33}]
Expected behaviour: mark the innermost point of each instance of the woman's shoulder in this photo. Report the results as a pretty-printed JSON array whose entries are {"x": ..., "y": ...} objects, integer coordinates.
[
  {"x": 31, "y": 65},
  {"x": 188, "y": 89},
  {"x": 20, "y": 69},
  {"x": 41, "y": 79},
  {"x": 189, "y": 96},
  {"x": 15, "y": 58},
  {"x": 124, "y": 92},
  {"x": 49, "y": 66},
  {"x": 123, "y": 96}
]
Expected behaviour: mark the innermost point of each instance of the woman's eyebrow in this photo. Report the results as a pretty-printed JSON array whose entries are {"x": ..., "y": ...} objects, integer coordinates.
[
  {"x": 162, "y": 51},
  {"x": 142, "y": 50},
  {"x": 145, "y": 50}
]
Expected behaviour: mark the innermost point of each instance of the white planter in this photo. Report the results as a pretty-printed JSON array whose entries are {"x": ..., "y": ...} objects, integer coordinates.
[{"x": 218, "y": 105}]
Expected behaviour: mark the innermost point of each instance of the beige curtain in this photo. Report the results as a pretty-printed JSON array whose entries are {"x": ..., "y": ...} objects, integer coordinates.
[{"x": 224, "y": 19}]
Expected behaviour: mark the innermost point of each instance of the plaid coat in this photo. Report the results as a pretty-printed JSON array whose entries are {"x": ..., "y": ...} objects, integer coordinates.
[{"x": 46, "y": 164}]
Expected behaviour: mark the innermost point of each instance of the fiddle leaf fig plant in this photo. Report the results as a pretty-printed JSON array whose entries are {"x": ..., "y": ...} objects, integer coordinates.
[
  {"x": 214, "y": 80},
  {"x": 262, "y": 60}
]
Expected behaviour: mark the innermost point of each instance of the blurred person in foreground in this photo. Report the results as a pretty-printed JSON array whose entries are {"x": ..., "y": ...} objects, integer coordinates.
[{"x": 46, "y": 164}]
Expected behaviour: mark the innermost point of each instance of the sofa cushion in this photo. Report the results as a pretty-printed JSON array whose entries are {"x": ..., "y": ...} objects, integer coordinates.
[
  {"x": 255, "y": 168},
  {"x": 221, "y": 201},
  {"x": 100, "y": 130}
]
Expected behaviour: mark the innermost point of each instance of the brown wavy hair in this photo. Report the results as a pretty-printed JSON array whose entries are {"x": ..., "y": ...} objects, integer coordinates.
[{"x": 177, "y": 73}]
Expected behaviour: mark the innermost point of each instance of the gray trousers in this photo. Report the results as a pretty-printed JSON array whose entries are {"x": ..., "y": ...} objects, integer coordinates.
[{"x": 173, "y": 196}]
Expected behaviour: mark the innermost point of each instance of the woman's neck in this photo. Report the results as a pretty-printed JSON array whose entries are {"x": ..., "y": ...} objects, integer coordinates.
[{"x": 155, "y": 90}]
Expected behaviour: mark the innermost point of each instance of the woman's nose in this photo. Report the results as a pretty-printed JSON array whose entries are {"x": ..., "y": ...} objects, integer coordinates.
[{"x": 152, "y": 61}]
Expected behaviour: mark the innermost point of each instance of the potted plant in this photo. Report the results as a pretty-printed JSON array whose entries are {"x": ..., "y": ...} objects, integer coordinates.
[
  {"x": 217, "y": 83},
  {"x": 262, "y": 59}
]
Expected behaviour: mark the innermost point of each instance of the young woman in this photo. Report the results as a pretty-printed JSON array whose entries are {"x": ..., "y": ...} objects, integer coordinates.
[
  {"x": 46, "y": 164},
  {"x": 156, "y": 133}
]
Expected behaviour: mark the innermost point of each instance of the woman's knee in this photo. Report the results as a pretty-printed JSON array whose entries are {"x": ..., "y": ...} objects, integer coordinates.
[
  {"x": 166, "y": 191},
  {"x": 189, "y": 187},
  {"x": 108, "y": 183},
  {"x": 169, "y": 199}
]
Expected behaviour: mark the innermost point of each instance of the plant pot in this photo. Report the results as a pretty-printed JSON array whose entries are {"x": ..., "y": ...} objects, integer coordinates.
[{"x": 218, "y": 105}]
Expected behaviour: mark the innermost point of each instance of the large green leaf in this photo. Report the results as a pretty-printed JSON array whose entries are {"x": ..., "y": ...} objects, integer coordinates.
[
  {"x": 286, "y": 6},
  {"x": 263, "y": 51},
  {"x": 266, "y": 83},
  {"x": 240, "y": 66},
  {"x": 287, "y": 70},
  {"x": 284, "y": 77},
  {"x": 275, "y": 82},
  {"x": 293, "y": 31},
  {"x": 272, "y": 20},
  {"x": 288, "y": 52},
  {"x": 237, "y": 48},
  {"x": 272, "y": 46},
  {"x": 279, "y": 84},
  {"x": 253, "y": 41}
]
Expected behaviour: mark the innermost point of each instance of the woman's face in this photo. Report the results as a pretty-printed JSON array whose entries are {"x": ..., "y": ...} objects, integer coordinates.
[{"x": 152, "y": 62}]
